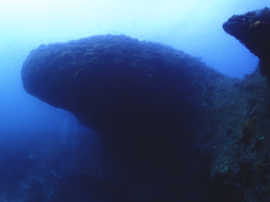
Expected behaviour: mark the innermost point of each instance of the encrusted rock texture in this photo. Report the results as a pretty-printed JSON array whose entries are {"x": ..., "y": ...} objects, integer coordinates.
[
  {"x": 149, "y": 103},
  {"x": 243, "y": 163},
  {"x": 165, "y": 118}
]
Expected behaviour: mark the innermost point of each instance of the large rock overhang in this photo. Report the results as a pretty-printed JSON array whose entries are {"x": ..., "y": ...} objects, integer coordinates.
[
  {"x": 253, "y": 30},
  {"x": 150, "y": 102},
  {"x": 110, "y": 81}
]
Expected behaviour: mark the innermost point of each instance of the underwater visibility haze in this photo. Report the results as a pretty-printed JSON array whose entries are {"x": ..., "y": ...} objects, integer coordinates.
[{"x": 134, "y": 100}]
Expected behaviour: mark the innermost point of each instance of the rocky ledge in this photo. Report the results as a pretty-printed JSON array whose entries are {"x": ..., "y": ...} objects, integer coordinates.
[{"x": 253, "y": 30}]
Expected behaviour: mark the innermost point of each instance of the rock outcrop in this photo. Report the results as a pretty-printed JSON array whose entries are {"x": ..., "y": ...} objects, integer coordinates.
[
  {"x": 253, "y": 30},
  {"x": 153, "y": 106},
  {"x": 242, "y": 166},
  {"x": 170, "y": 125}
]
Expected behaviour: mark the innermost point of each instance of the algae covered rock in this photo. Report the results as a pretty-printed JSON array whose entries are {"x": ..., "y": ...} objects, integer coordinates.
[
  {"x": 116, "y": 83},
  {"x": 150, "y": 103},
  {"x": 242, "y": 166}
]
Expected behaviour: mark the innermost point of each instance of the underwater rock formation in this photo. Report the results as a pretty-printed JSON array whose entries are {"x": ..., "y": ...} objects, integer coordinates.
[
  {"x": 105, "y": 79},
  {"x": 243, "y": 163},
  {"x": 167, "y": 121},
  {"x": 170, "y": 126},
  {"x": 150, "y": 103},
  {"x": 253, "y": 30},
  {"x": 116, "y": 84}
]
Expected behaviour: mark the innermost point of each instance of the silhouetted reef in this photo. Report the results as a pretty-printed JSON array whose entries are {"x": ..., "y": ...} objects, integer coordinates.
[{"x": 165, "y": 119}]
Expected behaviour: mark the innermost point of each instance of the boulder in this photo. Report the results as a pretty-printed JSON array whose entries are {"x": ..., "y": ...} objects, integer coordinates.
[{"x": 116, "y": 84}]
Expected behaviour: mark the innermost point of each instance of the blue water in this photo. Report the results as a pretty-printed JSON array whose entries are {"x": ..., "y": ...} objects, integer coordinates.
[{"x": 42, "y": 131}]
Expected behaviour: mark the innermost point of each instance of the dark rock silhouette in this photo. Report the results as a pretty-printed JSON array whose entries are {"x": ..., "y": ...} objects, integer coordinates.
[
  {"x": 253, "y": 30},
  {"x": 154, "y": 107}
]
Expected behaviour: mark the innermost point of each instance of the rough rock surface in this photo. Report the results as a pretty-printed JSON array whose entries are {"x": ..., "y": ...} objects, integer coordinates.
[
  {"x": 243, "y": 163},
  {"x": 112, "y": 77},
  {"x": 253, "y": 30},
  {"x": 171, "y": 126},
  {"x": 151, "y": 104}
]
